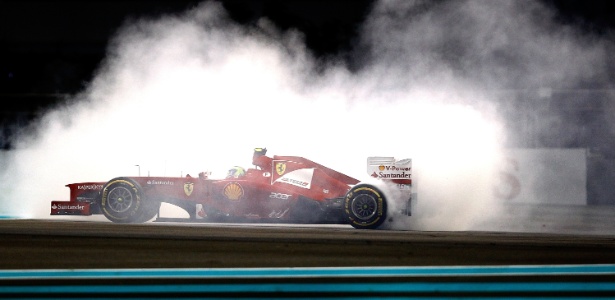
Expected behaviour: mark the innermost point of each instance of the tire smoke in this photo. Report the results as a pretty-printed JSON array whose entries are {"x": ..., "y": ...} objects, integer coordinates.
[{"x": 195, "y": 92}]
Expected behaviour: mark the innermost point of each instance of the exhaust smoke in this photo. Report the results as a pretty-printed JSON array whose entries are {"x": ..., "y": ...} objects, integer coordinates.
[{"x": 195, "y": 92}]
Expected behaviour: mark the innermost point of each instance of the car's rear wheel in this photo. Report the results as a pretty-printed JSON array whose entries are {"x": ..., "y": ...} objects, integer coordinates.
[
  {"x": 365, "y": 206},
  {"x": 122, "y": 201}
]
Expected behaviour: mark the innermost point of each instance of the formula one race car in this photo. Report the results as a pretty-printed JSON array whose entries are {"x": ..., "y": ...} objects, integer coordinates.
[{"x": 287, "y": 189}]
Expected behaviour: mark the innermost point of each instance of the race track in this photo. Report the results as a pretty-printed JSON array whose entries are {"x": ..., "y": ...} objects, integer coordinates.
[
  {"x": 535, "y": 256},
  {"x": 44, "y": 244}
]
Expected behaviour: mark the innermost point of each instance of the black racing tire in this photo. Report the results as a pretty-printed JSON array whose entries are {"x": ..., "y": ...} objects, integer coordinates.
[
  {"x": 365, "y": 207},
  {"x": 122, "y": 201}
]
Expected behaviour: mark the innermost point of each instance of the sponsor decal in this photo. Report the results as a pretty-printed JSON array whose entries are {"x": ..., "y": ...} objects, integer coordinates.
[
  {"x": 405, "y": 187},
  {"x": 280, "y": 168},
  {"x": 384, "y": 175},
  {"x": 160, "y": 182},
  {"x": 295, "y": 182},
  {"x": 233, "y": 191},
  {"x": 68, "y": 206},
  {"x": 278, "y": 214},
  {"x": 389, "y": 168},
  {"x": 200, "y": 212},
  {"x": 275, "y": 195},
  {"x": 394, "y": 168},
  {"x": 90, "y": 187},
  {"x": 301, "y": 178},
  {"x": 266, "y": 174},
  {"x": 188, "y": 188}
]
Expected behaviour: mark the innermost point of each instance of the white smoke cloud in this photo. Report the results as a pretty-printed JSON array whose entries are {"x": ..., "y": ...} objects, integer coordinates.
[
  {"x": 186, "y": 93},
  {"x": 511, "y": 56},
  {"x": 491, "y": 44}
]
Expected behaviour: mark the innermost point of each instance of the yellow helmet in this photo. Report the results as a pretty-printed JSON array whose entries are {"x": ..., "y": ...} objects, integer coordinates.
[{"x": 236, "y": 172}]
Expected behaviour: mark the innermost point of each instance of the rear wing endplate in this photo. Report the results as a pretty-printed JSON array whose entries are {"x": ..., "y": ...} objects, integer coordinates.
[{"x": 386, "y": 167}]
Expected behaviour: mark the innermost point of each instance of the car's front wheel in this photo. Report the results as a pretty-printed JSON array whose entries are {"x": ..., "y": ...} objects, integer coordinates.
[
  {"x": 122, "y": 201},
  {"x": 365, "y": 206}
]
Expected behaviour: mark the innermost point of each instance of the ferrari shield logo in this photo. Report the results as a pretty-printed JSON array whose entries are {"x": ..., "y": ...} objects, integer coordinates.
[
  {"x": 188, "y": 188},
  {"x": 280, "y": 168}
]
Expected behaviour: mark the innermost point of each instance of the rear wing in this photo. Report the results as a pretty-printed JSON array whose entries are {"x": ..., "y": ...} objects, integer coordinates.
[
  {"x": 388, "y": 168},
  {"x": 398, "y": 172}
]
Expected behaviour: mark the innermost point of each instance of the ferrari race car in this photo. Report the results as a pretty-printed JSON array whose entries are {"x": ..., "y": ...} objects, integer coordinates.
[{"x": 286, "y": 189}]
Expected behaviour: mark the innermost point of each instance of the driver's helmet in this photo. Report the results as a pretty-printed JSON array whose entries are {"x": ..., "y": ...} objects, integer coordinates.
[{"x": 236, "y": 172}]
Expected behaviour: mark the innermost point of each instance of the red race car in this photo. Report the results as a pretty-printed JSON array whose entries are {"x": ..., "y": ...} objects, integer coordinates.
[{"x": 287, "y": 189}]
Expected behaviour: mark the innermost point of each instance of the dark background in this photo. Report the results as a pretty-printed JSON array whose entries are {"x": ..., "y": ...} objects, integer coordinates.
[{"x": 50, "y": 49}]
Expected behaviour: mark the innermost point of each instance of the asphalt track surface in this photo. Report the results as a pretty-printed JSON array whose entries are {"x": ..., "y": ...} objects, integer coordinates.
[
  {"x": 61, "y": 244},
  {"x": 177, "y": 260}
]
